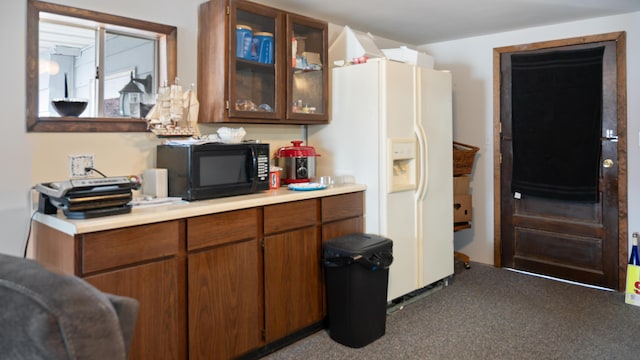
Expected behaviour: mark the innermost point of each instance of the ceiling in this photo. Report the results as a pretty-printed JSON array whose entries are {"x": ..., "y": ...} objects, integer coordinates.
[{"x": 418, "y": 22}]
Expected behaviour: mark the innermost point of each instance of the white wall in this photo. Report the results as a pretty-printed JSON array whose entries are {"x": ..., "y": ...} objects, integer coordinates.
[
  {"x": 31, "y": 158},
  {"x": 15, "y": 155},
  {"x": 471, "y": 62}
]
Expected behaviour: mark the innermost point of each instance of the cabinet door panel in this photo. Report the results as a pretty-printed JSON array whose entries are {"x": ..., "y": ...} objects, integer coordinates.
[
  {"x": 158, "y": 334},
  {"x": 293, "y": 293},
  {"x": 225, "y": 297},
  {"x": 254, "y": 79},
  {"x": 343, "y": 227},
  {"x": 307, "y": 70}
]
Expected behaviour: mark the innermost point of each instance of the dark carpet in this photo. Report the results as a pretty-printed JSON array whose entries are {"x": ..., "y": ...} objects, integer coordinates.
[{"x": 493, "y": 313}]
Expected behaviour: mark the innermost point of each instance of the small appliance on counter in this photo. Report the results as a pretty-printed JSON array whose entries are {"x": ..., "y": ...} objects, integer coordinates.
[
  {"x": 298, "y": 163},
  {"x": 213, "y": 170},
  {"x": 87, "y": 198}
]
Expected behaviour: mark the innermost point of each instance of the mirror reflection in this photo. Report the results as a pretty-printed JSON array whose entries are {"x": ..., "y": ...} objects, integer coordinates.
[
  {"x": 69, "y": 68},
  {"x": 95, "y": 71}
]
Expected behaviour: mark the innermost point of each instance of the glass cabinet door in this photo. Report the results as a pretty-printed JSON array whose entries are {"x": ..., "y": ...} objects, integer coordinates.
[
  {"x": 255, "y": 80},
  {"x": 307, "y": 75}
]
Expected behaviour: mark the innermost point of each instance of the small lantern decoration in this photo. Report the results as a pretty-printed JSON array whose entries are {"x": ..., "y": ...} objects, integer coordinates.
[{"x": 131, "y": 96}]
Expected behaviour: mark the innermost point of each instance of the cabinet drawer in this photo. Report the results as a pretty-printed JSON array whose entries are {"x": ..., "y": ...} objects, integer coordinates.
[
  {"x": 293, "y": 215},
  {"x": 222, "y": 228},
  {"x": 342, "y": 206},
  {"x": 112, "y": 248}
]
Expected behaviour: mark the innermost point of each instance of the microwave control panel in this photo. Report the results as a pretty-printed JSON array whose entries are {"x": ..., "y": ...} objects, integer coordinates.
[{"x": 263, "y": 166}]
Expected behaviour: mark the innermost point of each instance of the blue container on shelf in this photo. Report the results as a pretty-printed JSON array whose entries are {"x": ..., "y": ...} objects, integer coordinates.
[
  {"x": 243, "y": 42},
  {"x": 263, "y": 42}
]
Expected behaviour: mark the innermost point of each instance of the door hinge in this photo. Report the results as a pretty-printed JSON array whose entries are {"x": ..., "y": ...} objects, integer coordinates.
[
  {"x": 226, "y": 104},
  {"x": 97, "y": 72},
  {"x": 228, "y": 10},
  {"x": 262, "y": 243},
  {"x": 500, "y": 127},
  {"x": 500, "y": 158},
  {"x": 609, "y": 136},
  {"x": 264, "y": 334}
]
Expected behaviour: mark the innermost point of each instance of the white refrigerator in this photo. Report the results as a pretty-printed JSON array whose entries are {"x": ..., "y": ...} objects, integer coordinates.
[{"x": 391, "y": 129}]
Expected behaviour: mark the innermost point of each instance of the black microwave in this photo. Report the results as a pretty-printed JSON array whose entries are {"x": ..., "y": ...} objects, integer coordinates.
[{"x": 214, "y": 170}]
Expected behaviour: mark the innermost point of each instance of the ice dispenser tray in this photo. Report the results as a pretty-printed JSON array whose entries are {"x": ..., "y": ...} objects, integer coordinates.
[{"x": 402, "y": 164}]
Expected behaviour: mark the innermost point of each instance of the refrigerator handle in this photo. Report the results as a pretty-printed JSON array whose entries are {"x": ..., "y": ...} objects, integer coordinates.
[{"x": 423, "y": 169}]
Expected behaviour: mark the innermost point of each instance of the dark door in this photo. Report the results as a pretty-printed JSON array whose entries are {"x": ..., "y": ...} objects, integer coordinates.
[{"x": 565, "y": 238}]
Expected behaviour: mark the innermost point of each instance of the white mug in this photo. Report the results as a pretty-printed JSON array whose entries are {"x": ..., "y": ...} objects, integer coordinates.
[{"x": 154, "y": 183}]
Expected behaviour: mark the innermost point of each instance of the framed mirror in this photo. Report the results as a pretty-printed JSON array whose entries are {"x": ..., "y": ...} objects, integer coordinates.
[{"x": 93, "y": 72}]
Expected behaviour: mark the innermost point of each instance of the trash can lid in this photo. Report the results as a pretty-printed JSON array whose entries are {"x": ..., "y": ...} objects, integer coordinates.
[{"x": 356, "y": 244}]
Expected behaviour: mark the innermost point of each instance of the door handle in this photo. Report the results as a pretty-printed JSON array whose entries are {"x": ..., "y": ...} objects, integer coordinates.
[{"x": 607, "y": 163}]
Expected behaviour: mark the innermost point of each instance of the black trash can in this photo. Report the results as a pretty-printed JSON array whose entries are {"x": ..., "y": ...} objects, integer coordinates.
[{"x": 357, "y": 275}]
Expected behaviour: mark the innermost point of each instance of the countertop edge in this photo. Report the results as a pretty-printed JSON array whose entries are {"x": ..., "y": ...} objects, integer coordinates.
[{"x": 160, "y": 213}]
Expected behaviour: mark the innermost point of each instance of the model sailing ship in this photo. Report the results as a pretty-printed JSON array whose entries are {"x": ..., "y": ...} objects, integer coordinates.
[{"x": 175, "y": 112}]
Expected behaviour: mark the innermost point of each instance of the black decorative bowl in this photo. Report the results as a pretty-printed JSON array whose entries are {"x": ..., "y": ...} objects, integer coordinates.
[{"x": 69, "y": 107}]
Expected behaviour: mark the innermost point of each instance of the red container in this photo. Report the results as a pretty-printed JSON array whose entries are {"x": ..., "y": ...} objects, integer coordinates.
[
  {"x": 274, "y": 177},
  {"x": 298, "y": 163}
]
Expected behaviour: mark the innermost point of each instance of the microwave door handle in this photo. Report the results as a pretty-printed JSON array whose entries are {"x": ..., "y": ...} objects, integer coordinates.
[{"x": 253, "y": 169}]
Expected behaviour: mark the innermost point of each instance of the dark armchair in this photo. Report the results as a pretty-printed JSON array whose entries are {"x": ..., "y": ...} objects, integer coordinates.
[{"x": 44, "y": 315}]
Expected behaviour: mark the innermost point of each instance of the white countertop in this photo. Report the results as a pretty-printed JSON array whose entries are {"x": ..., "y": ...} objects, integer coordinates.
[{"x": 151, "y": 214}]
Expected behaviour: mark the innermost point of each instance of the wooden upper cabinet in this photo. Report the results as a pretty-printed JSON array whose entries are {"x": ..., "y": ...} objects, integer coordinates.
[{"x": 258, "y": 64}]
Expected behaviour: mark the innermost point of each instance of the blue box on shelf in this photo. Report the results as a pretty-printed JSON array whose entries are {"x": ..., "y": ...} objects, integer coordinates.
[
  {"x": 244, "y": 40},
  {"x": 263, "y": 42}
]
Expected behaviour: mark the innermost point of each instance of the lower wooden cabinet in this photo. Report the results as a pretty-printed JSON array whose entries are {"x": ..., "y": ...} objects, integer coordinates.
[
  {"x": 225, "y": 312},
  {"x": 144, "y": 262},
  {"x": 292, "y": 282},
  {"x": 217, "y": 286},
  {"x": 159, "y": 332},
  {"x": 293, "y": 292},
  {"x": 225, "y": 284}
]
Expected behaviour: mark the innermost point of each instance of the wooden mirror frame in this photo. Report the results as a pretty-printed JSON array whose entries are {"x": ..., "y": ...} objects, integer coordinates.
[{"x": 168, "y": 45}]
